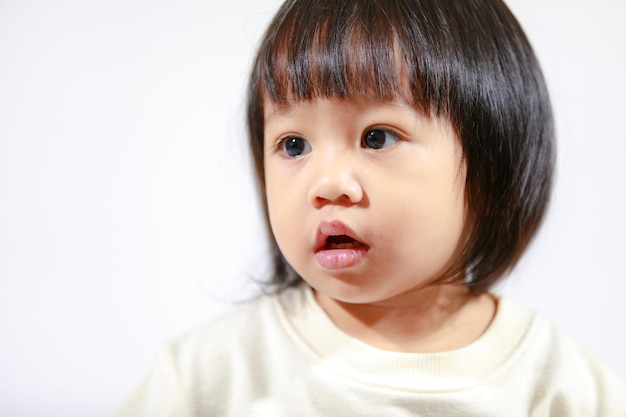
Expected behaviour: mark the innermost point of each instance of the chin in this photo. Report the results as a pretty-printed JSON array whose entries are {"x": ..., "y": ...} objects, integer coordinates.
[{"x": 349, "y": 292}]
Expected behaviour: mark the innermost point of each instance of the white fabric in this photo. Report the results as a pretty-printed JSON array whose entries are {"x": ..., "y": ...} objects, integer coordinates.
[{"x": 281, "y": 356}]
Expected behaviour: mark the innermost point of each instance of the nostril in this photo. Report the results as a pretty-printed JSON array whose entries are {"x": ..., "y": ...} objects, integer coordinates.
[
  {"x": 343, "y": 199},
  {"x": 336, "y": 189}
]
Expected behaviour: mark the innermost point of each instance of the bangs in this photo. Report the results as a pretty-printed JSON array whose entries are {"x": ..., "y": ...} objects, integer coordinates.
[{"x": 334, "y": 48}]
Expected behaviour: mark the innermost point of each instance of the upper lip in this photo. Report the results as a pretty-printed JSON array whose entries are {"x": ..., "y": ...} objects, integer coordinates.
[{"x": 333, "y": 228}]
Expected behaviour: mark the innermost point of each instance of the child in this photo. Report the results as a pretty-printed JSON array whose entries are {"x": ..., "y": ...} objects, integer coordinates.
[{"x": 405, "y": 153}]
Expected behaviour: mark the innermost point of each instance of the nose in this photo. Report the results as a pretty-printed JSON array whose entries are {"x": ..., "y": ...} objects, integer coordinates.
[{"x": 337, "y": 183}]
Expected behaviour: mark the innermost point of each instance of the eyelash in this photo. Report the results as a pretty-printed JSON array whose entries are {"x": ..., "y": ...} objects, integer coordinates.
[
  {"x": 306, "y": 147},
  {"x": 282, "y": 143},
  {"x": 388, "y": 134}
]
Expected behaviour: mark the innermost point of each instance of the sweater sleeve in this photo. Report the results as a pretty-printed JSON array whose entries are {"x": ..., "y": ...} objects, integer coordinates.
[
  {"x": 610, "y": 389},
  {"x": 574, "y": 383}
]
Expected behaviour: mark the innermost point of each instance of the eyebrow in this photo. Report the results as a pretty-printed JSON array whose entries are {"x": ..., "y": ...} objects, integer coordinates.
[
  {"x": 278, "y": 110},
  {"x": 285, "y": 109}
]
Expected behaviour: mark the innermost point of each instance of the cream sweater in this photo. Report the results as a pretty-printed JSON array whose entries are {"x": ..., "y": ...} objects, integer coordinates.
[{"x": 281, "y": 356}]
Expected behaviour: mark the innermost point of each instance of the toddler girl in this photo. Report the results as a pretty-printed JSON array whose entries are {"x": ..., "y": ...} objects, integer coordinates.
[{"x": 404, "y": 149}]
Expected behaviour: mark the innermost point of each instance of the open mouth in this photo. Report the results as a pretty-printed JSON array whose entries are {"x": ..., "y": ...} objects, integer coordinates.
[
  {"x": 342, "y": 242},
  {"x": 338, "y": 246}
]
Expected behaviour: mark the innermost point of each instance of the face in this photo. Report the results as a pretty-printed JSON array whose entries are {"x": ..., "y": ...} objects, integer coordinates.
[{"x": 365, "y": 199}]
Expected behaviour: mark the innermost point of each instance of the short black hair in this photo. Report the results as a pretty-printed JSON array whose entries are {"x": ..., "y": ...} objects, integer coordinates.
[{"x": 469, "y": 61}]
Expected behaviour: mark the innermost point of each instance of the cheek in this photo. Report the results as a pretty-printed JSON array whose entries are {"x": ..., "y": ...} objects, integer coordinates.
[
  {"x": 275, "y": 203},
  {"x": 425, "y": 219},
  {"x": 284, "y": 217},
  {"x": 428, "y": 222},
  {"x": 429, "y": 240}
]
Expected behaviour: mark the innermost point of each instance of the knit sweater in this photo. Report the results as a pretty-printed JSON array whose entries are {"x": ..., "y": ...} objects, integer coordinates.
[{"x": 281, "y": 356}]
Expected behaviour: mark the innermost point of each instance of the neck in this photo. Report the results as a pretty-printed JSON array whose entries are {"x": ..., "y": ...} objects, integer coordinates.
[{"x": 433, "y": 319}]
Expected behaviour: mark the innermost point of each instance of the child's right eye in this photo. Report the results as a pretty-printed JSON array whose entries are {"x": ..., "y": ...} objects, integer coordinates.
[{"x": 295, "y": 147}]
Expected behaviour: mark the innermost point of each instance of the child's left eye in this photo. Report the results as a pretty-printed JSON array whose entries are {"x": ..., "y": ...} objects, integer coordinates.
[{"x": 379, "y": 138}]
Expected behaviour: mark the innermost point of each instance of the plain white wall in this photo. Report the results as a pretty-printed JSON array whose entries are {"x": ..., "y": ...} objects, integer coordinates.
[{"x": 127, "y": 209}]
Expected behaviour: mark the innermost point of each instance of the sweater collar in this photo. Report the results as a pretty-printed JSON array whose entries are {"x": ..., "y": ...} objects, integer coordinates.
[{"x": 314, "y": 331}]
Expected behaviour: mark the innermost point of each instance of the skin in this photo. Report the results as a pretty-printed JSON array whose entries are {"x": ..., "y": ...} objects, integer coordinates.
[{"x": 404, "y": 203}]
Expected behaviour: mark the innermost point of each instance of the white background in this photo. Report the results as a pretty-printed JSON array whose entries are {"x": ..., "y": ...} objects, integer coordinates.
[{"x": 127, "y": 210}]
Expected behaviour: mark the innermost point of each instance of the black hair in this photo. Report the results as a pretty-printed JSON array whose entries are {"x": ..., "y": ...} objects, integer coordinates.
[{"x": 469, "y": 61}]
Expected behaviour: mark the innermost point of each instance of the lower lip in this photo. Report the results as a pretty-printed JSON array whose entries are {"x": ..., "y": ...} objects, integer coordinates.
[{"x": 340, "y": 258}]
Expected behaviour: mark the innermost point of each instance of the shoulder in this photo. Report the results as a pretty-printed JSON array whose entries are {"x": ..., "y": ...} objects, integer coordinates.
[
  {"x": 245, "y": 333},
  {"x": 230, "y": 356},
  {"x": 220, "y": 334},
  {"x": 560, "y": 373}
]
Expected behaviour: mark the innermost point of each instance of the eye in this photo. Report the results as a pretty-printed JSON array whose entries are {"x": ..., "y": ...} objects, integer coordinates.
[
  {"x": 379, "y": 138},
  {"x": 295, "y": 146}
]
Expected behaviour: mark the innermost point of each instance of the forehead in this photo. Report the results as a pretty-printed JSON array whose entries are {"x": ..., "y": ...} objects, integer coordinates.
[{"x": 351, "y": 106}]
